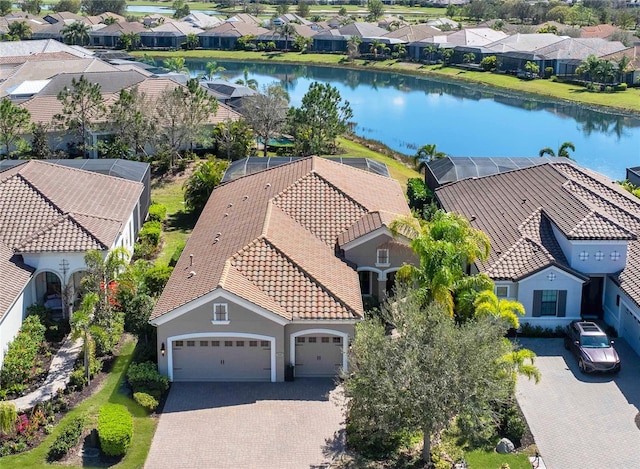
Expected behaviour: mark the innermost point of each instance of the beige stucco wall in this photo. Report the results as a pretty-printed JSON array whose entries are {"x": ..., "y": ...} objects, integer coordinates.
[
  {"x": 241, "y": 320},
  {"x": 364, "y": 255}
]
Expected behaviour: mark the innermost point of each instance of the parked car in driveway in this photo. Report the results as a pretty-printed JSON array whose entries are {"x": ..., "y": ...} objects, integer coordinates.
[{"x": 591, "y": 346}]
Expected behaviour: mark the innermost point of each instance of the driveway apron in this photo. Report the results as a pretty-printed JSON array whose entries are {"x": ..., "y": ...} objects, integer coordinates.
[
  {"x": 582, "y": 421},
  {"x": 249, "y": 425}
]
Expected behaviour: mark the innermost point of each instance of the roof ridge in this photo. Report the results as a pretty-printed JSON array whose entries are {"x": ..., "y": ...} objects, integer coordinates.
[
  {"x": 336, "y": 188},
  {"x": 73, "y": 212}
]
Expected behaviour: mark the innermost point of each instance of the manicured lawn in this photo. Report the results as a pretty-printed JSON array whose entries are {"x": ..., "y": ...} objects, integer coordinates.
[
  {"x": 144, "y": 427},
  {"x": 627, "y": 100},
  {"x": 490, "y": 460}
]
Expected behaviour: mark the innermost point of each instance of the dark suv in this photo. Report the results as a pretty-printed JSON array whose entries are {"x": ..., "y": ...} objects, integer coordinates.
[{"x": 592, "y": 347}]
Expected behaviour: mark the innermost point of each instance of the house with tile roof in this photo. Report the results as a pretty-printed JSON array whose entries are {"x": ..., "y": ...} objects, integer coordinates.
[
  {"x": 564, "y": 242},
  {"x": 275, "y": 272},
  {"x": 50, "y": 216}
]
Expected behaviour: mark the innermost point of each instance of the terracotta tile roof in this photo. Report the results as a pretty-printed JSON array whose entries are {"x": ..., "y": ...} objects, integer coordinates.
[
  {"x": 266, "y": 238},
  {"x": 15, "y": 275},
  {"x": 368, "y": 223},
  {"x": 47, "y": 207},
  {"x": 518, "y": 208}
]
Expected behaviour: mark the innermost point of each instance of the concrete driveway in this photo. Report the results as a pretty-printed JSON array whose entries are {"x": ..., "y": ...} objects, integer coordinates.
[
  {"x": 249, "y": 425},
  {"x": 582, "y": 421}
]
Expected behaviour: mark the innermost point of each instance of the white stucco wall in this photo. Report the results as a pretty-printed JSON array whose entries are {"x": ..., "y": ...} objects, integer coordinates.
[
  {"x": 540, "y": 281},
  {"x": 611, "y": 309},
  {"x": 127, "y": 238},
  {"x": 12, "y": 320},
  {"x": 597, "y": 258}
]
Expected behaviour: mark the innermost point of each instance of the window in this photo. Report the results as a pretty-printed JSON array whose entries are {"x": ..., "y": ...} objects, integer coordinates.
[
  {"x": 337, "y": 340},
  {"x": 204, "y": 343},
  {"x": 365, "y": 282},
  {"x": 549, "y": 302},
  {"x": 300, "y": 340},
  {"x": 265, "y": 343},
  {"x": 178, "y": 343},
  {"x": 215, "y": 343},
  {"x": 191, "y": 343},
  {"x": 382, "y": 257},
  {"x": 325, "y": 340},
  {"x": 312, "y": 340},
  {"x": 228, "y": 343},
  {"x": 239, "y": 343},
  {"x": 502, "y": 292},
  {"x": 253, "y": 343},
  {"x": 615, "y": 255},
  {"x": 220, "y": 312},
  {"x": 599, "y": 256},
  {"x": 584, "y": 256}
]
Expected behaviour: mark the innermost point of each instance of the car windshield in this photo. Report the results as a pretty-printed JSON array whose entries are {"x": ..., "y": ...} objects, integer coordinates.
[{"x": 594, "y": 341}]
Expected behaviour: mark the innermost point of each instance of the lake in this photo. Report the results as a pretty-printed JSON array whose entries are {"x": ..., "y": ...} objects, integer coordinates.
[{"x": 406, "y": 112}]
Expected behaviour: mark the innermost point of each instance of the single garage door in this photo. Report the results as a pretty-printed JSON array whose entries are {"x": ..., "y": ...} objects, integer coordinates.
[
  {"x": 318, "y": 355},
  {"x": 631, "y": 329},
  {"x": 221, "y": 359}
]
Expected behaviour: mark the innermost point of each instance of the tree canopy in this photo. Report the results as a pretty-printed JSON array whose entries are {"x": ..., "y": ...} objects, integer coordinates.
[
  {"x": 266, "y": 112},
  {"x": 200, "y": 185},
  {"x": 14, "y": 122}
]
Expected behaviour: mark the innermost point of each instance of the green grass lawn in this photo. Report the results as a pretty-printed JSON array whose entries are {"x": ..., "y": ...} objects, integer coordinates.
[
  {"x": 627, "y": 100},
  {"x": 479, "y": 459},
  {"x": 143, "y": 426}
]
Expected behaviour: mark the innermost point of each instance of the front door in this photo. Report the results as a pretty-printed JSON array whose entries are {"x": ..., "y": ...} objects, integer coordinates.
[{"x": 592, "y": 298}]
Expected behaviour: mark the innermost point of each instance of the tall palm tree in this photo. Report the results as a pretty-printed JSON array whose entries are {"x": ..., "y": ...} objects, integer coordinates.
[
  {"x": 76, "y": 33},
  {"x": 175, "y": 64},
  {"x": 424, "y": 155},
  {"x": 488, "y": 304},
  {"x": 563, "y": 151},
  {"x": 213, "y": 69},
  {"x": 81, "y": 325},
  {"x": 589, "y": 68},
  {"x": 19, "y": 30},
  {"x": 353, "y": 46},
  {"x": 521, "y": 362},
  {"x": 288, "y": 31},
  {"x": 375, "y": 46},
  {"x": 623, "y": 66},
  {"x": 248, "y": 82},
  {"x": 429, "y": 51}
]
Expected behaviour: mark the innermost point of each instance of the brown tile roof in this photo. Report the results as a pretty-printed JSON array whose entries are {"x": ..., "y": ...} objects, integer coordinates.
[
  {"x": 517, "y": 208},
  {"x": 15, "y": 275},
  {"x": 270, "y": 237},
  {"x": 46, "y": 207}
]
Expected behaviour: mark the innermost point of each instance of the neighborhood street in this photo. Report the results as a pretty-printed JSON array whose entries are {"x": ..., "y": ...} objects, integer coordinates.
[{"x": 582, "y": 421}]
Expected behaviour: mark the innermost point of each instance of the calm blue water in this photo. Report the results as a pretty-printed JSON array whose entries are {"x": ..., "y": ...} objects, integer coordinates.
[{"x": 406, "y": 112}]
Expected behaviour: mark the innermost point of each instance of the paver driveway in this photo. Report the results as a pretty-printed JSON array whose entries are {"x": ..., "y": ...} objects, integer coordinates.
[
  {"x": 249, "y": 425},
  {"x": 582, "y": 421}
]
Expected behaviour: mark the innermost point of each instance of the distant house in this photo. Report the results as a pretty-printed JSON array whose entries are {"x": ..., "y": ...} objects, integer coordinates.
[
  {"x": 461, "y": 41},
  {"x": 269, "y": 281},
  {"x": 168, "y": 35},
  {"x": 226, "y": 36},
  {"x": 280, "y": 41},
  {"x": 632, "y": 75},
  {"x": 229, "y": 93},
  {"x": 202, "y": 21},
  {"x": 51, "y": 216},
  {"x": 335, "y": 40},
  {"x": 110, "y": 35},
  {"x": 290, "y": 18},
  {"x": 564, "y": 243}
]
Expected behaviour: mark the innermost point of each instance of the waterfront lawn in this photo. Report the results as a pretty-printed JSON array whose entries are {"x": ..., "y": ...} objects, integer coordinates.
[
  {"x": 626, "y": 100},
  {"x": 143, "y": 426}
]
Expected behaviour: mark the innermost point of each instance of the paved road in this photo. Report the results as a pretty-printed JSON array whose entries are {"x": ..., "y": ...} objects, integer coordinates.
[
  {"x": 249, "y": 425},
  {"x": 582, "y": 421}
]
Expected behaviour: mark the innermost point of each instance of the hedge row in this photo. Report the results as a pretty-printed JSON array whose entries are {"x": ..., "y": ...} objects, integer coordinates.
[
  {"x": 67, "y": 439},
  {"x": 157, "y": 212},
  {"x": 21, "y": 355},
  {"x": 144, "y": 377},
  {"x": 115, "y": 429}
]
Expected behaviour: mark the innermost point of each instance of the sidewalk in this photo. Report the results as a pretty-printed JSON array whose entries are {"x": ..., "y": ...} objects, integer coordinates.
[{"x": 58, "y": 377}]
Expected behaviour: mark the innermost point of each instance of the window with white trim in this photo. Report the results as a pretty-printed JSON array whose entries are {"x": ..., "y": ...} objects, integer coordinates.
[
  {"x": 220, "y": 312},
  {"x": 502, "y": 291},
  {"x": 382, "y": 257}
]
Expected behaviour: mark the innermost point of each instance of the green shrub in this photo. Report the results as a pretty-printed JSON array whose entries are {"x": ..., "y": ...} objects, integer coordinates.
[
  {"x": 150, "y": 233},
  {"x": 78, "y": 380},
  {"x": 145, "y": 377},
  {"x": 608, "y": 89},
  {"x": 418, "y": 194},
  {"x": 21, "y": 355},
  {"x": 156, "y": 278},
  {"x": 8, "y": 417},
  {"x": 157, "y": 212},
  {"x": 107, "y": 334},
  {"x": 145, "y": 400},
  {"x": 511, "y": 423},
  {"x": 143, "y": 250},
  {"x": 489, "y": 63},
  {"x": 548, "y": 72},
  {"x": 621, "y": 87},
  {"x": 176, "y": 254},
  {"x": 553, "y": 78},
  {"x": 67, "y": 439},
  {"x": 115, "y": 429}
]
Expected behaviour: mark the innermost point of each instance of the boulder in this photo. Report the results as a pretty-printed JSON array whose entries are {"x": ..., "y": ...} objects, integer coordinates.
[{"x": 505, "y": 446}]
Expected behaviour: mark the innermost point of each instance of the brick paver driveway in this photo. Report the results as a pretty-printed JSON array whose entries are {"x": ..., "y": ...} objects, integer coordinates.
[
  {"x": 582, "y": 421},
  {"x": 249, "y": 425}
]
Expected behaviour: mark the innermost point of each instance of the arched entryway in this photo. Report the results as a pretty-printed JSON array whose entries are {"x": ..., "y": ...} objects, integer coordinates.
[{"x": 49, "y": 291}]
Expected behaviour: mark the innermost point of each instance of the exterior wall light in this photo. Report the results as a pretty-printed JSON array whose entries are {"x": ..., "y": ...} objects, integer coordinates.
[{"x": 162, "y": 349}]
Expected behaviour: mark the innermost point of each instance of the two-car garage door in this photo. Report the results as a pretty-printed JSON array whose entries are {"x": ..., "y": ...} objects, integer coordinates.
[
  {"x": 221, "y": 359},
  {"x": 318, "y": 355}
]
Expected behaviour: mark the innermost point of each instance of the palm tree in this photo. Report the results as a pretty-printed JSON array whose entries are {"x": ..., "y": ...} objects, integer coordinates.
[
  {"x": 374, "y": 46},
  {"x": 76, "y": 33},
  {"x": 589, "y": 68},
  {"x": 287, "y": 30},
  {"x": 424, "y": 155},
  {"x": 175, "y": 64},
  {"x": 563, "y": 151},
  {"x": 488, "y": 304},
  {"x": 81, "y": 325},
  {"x": 129, "y": 41},
  {"x": 192, "y": 41},
  {"x": 401, "y": 50},
  {"x": 429, "y": 51},
  {"x": 19, "y": 30},
  {"x": 205, "y": 178},
  {"x": 623, "y": 66},
  {"x": 248, "y": 82},
  {"x": 521, "y": 362},
  {"x": 213, "y": 69},
  {"x": 353, "y": 46}
]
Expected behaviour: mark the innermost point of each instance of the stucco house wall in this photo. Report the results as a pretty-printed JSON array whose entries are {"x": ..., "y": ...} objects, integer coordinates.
[{"x": 12, "y": 320}]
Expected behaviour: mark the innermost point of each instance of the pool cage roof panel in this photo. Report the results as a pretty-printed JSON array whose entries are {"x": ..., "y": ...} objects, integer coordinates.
[
  {"x": 253, "y": 165},
  {"x": 130, "y": 170}
]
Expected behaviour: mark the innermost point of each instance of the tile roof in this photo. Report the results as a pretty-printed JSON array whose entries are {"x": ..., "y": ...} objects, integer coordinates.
[
  {"x": 525, "y": 203},
  {"x": 270, "y": 238},
  {"x": 46, "y": 207},
  {"x": 15, "y": 275}
]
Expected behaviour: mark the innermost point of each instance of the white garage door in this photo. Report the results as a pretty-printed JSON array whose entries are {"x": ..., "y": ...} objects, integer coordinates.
[
  {"x": 221, "y": 359},
  {"x": 318, "y": 355},
  {"x": 631, "y": 329}
]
